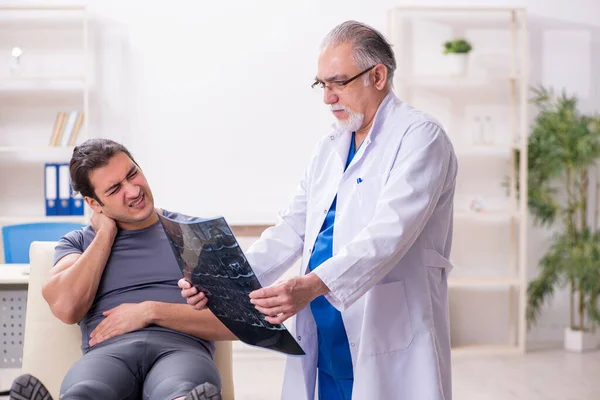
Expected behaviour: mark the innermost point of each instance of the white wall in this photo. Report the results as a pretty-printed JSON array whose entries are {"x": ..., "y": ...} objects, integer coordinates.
[{"x": 213, "y": 98}]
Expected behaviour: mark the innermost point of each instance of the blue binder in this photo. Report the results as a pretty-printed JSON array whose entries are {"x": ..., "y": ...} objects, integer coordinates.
[
  {"x": 51, "y": 188},
  {"x": 77, "y": 204},
  {"x": 64, "y": 190}
]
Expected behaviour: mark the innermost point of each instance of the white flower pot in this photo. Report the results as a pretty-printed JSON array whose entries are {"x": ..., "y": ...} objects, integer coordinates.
[
  {"x": 456, "y": 63},
  {"x": 580, "y": 341}
]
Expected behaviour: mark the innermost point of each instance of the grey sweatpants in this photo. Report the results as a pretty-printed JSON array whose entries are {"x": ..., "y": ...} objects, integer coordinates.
[{"x": 148, "y": 365}]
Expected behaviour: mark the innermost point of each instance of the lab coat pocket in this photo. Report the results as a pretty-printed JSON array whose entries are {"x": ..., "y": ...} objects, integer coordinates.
[
  {"x": 363, "y": 190},
  {"x": 366, "y": 193},
  {"x": 437, "y": 264},
  {"x": 386, "y": 326}
]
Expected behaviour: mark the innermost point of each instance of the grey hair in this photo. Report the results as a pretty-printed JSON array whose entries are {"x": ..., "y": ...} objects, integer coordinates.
[{"x": 369, "y": 47}]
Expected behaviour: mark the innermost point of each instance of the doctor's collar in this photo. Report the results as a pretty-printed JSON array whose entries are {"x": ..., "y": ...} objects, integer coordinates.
[{"x": 387, "y": 101}]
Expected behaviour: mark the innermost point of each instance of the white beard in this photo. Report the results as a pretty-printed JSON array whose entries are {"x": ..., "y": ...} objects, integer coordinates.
[{"x": 350, "y": 124}]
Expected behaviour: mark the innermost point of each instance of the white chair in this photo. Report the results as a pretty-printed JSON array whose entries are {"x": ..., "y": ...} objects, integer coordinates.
[{"x": 51, "y": 347}]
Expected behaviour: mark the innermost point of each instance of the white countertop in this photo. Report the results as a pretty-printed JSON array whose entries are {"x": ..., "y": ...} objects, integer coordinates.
[{"x": 14, "y": 274}]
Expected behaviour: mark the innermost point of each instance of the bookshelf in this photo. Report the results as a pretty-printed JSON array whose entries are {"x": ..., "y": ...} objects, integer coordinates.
[
  {"x": 484, "y": 110},
  {"x": 51, "y": 76},
  {"x": 23, "y": 219},
  {"x": 20, "y": 150},
  {"x": 16, "y": 85},
  {"x": 490, "y": 282}
]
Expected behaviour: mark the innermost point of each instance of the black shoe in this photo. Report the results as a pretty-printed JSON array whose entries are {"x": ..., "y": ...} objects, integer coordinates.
[
  {"x": 27, "y": 387},
  {"x": 206, "y": 391}
]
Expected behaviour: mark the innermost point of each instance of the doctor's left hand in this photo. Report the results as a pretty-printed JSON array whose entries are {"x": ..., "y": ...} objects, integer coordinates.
[
  {"x": 119, "y": 320},
  {"x": 284, "y": 299}
]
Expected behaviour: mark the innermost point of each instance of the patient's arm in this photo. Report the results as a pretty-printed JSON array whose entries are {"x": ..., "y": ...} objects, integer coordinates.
[
  {"x": 179, "y": 317},
  {"x": 183, "y": 318},
  {"x": 74, "y": 280}
]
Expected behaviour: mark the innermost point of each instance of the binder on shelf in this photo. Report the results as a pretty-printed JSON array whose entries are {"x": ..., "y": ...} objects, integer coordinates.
[
  {"x": 77, "y": 204},
  {"x": 64, "y": 190},
  {"x": 51, "y": 189}
]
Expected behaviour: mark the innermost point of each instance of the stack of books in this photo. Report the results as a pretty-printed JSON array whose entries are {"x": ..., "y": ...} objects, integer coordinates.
[{"x": 66, "y": 128}]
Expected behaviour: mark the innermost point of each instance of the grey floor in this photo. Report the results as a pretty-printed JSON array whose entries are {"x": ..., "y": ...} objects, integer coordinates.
[
  {"x": 544, "y": 375},
  {"x": 541, "y": 375}
]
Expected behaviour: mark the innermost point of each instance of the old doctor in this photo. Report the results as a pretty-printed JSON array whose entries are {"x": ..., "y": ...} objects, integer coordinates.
[{"x": 372, "y": 221}]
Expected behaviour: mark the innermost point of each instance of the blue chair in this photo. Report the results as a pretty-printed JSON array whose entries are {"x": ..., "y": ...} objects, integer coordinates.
[{"x": 18, "y": 238}]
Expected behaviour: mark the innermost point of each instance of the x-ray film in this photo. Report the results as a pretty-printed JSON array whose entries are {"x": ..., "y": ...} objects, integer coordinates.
[{"x": 211, "y": 259}]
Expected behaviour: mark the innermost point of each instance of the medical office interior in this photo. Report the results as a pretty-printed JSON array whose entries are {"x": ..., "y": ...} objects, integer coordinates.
[{"x": 214, "y": 101}]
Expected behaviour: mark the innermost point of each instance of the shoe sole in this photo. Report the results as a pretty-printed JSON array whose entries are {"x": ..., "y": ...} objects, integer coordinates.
[
  {"x": 206, "y": 391},
  {"x": 26, "y": 387}
]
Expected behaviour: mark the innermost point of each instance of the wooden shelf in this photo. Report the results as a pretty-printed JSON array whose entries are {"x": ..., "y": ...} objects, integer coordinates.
[
  {"x": 35, "y": 149},
  {"x": 486, "y": 349},
  {"x": 459, "y": 17},
  {"x": 458, "y": 82},
  {"x": 36, "y": 154},
  {"x": 9, "y": 220},
  {"x": 48, "y": 78},
  {"x": 451, "y": 9},
  {"x": 483, "y": 151},
  {"x": 49, "y": 7},
  {"x": 488, "y": 216},
  {"x": 483, "y": 282},
  {"x": 42, "y": 84}
]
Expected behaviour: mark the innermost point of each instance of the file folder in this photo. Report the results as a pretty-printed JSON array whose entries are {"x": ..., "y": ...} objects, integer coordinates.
[
  {"x": 51, "y": 189},
  {"x": 64, "y": 190},
  {"x": 77, "y": 204}
]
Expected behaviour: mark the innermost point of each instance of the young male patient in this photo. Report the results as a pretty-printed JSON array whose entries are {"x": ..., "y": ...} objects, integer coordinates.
[{"x": 118, "y": 280}]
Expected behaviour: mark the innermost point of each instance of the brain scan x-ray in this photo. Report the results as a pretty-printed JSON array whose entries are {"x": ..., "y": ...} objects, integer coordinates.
[{"x": 211, "y": 259}]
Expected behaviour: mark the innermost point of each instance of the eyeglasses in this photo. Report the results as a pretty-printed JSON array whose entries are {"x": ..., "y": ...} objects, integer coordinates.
[{"x": 337, "y": 85}]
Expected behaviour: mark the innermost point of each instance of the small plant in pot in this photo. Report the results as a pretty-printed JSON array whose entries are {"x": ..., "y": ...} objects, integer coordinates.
[
  {"x": 456, "y": 52},
  {"x": 563, "y": 165}
]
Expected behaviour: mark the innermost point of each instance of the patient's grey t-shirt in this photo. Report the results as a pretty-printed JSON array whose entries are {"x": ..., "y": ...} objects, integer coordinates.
[{"x": 141, "y": 267}]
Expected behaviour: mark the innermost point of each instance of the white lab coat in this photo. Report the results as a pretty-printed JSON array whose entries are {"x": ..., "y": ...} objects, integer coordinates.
[{"x": 391, "y": 244}]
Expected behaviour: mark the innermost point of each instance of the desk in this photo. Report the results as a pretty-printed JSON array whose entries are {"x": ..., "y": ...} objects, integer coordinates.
[
  {"x": 12, "y": 274},
  {"x": 13, "y": 305}
]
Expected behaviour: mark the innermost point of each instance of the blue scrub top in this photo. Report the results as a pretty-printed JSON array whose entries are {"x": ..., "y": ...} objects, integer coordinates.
[{"x": 335, "y": 361}]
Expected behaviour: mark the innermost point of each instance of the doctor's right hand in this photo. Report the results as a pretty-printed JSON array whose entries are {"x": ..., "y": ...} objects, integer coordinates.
[{"x": 194, "y": 298}]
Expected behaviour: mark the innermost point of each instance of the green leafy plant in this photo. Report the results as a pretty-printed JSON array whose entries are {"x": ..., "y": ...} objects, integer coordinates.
[
  {"x": 563, "y": 153},
  {"x": 457, "y": 46}
]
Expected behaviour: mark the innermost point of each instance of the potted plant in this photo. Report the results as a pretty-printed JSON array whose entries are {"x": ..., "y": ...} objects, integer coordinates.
[
  {"x": 456, "y": 52},
  {"x": 563, "y": 154}
]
